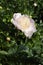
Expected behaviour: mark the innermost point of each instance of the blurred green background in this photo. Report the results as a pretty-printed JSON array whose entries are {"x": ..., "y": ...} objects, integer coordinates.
[{"x": 15, "y": 48}]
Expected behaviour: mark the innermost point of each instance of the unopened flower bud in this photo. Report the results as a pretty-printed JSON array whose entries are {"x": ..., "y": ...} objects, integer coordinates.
[{"x": 8, "y": 39}]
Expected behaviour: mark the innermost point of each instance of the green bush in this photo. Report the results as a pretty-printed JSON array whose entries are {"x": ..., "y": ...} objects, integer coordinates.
[{"x": 15, "y": 48}]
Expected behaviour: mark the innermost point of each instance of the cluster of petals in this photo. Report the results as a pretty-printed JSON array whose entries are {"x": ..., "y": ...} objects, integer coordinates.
[{"x": 24, "y": 23}]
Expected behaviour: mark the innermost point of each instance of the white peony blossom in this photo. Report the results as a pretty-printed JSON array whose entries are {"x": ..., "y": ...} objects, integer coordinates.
[{"x": 24, "y": 23}]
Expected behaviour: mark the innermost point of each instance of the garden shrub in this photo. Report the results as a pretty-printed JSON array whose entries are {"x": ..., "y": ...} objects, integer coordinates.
[{"x": 15, "y": 48}]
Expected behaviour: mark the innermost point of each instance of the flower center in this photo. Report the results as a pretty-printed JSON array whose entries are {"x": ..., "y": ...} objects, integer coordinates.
[{"x": 24, "y": 22}]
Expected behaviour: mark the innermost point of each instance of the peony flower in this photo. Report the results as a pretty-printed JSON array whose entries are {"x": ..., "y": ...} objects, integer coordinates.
[{"x": 24, "y": 23}]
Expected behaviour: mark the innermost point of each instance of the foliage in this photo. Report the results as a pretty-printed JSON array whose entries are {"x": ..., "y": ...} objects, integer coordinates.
[{"x": 15, "y": 48}]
